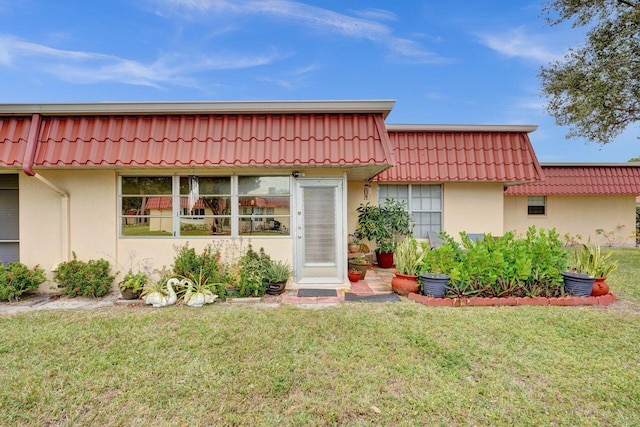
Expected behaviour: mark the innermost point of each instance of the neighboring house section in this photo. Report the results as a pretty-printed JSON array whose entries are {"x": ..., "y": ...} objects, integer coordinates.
[
  {"x": 581, "y": 201},
  {"x": 452, "y": 177}
]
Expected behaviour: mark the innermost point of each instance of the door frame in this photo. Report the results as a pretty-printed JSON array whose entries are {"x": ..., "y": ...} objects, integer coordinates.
[{"x": 340, "y": 183}]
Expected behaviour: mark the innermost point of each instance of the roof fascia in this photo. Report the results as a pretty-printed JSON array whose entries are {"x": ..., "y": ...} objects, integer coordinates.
[
  {"x": 590, "y": 165},
  {"x": 460, "y": 128},
  {"x": 201, "y": 107}
]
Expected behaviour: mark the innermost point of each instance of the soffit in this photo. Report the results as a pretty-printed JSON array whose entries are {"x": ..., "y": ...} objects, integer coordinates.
[
  {"x": 578, "y": 180},
  {"x": 463, "y": 155}
]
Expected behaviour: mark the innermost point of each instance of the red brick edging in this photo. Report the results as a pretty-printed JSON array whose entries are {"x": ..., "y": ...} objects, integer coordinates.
[{"x": 479, "y": 301}]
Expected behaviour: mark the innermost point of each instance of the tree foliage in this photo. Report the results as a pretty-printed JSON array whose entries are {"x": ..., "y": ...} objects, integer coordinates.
[{"x": 595, "y": 88}]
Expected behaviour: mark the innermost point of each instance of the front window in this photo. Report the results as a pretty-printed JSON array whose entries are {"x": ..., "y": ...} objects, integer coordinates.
[
  {"x": 205, "y": 205},
  {"x": 264, "y": 205},
  {"x": 424, "y": 203}
]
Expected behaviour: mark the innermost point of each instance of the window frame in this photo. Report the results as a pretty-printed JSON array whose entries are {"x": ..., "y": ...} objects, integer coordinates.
[
  {"x": 543, "y": 206},
  {"x": 409, "y": 203},
  {"x": 177, "y": 210}
]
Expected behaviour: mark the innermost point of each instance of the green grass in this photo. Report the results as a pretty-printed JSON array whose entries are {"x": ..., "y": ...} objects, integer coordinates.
[{"x": 356, "y": 364}]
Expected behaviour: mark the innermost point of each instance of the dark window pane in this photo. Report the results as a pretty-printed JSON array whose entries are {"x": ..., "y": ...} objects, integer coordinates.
[
  {"x": 207, "y": 185},
  {"x": 146, "y": 185},
  {"x": 263, "y": 185}
]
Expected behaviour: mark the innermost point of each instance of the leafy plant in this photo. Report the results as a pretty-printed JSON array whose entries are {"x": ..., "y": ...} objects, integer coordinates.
[
  {"x": 591, "y": 261},
  {"x": 16, "y": 279},
  {"x": 187, "y": 261},
  {"x": 88, "y": 279},
  {"x": 278, "y": 271},
  {"x": 408, "y": 256},
  {"x": 384, "y": 224},
  {"x": 248, "y": 274},
  {"x": 134, "y": 281}
]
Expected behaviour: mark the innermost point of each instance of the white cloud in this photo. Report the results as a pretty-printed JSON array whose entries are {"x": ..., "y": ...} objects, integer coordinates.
[
  {"x": 90, "y": 67},
  {"x": 376, "y": 14},
  {"x": 517, "y": 43},
  {"x": 363, "y": 27}
]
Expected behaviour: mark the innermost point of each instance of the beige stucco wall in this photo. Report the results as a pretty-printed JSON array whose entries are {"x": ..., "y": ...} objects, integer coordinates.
[
  {"x": 94, "y": 231},
  {"x": 92, "y": 217},
  {"x": 474, "y": 207},
  {"x": 578, "y": 215}
]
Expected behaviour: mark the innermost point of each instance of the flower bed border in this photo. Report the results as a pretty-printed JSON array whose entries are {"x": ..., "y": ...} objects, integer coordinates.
[{"x": 603, "y": 300}]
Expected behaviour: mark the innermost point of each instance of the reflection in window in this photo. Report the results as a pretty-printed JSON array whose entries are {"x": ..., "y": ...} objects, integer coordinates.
[
  {"x": 147, "y": 206},
  {"x": 205, "y": 205}
]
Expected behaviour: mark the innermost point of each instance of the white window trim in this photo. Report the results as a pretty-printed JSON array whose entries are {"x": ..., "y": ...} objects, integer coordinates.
[
  {"x": 177, "y": 211},
  {"x": 409, "y": 198}
]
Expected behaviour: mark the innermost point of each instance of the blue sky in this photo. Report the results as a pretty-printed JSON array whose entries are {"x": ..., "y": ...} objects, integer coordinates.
[{"x": 453, "y": 62}]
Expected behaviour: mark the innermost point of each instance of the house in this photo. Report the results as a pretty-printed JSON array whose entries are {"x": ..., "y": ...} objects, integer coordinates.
[
  {"x": 114, "y": 179},
  {"x": 582, "y": 201}
]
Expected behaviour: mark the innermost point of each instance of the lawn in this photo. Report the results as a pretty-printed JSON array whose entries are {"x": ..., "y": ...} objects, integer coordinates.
[{"x": 356, "y": 364}]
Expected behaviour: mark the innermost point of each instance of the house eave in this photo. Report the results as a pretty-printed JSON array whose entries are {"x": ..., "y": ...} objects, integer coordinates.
[
  {"x": 201, "y": 107},
  {"x": 459, "y": 128}
]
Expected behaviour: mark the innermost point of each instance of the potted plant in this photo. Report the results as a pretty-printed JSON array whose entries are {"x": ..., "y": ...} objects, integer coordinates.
[
  {"x": 277, "y": 274},
  {"x": 359, "y": 263},
  {"x": 354, "y": 275},
  {"x": 439, "y": 265},
  {"x": 590, "y": 261},
  {"x": 132, "y": 285},
  {"x": 354, "y": 243},
  {"x": 408, "y": 258},
  {"x": 384, "y": 224}
]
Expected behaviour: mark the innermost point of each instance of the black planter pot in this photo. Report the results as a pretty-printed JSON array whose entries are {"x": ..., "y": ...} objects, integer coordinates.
[
  {"x": 578, "y": 284},
  {"x": 276, "y": 288},
  {"x": 434, "y": 284},
  {"x": 128, "y": 294}
]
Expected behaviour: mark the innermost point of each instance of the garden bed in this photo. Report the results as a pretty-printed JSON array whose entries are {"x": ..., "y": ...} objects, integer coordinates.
[{"x": 480, "y": 301}]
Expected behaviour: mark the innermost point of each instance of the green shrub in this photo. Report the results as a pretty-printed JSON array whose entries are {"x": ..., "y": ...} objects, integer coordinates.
[
  {"x": 88, "y": 279},
  {"x": 252, "y": 269},
  {"x": 16, "y": 279},
  {"x": 502, "y": 266},
  {"x": 206, "y": 265},
  {"x": 188, "y": 262}
]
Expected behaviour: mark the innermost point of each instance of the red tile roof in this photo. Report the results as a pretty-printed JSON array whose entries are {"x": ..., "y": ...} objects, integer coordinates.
[
  {"x": 462, "y": 155},
  {"x": 213, "y": 140},
  {"x": 13, "y": 139},
  {"x": 576, "y": 180}
]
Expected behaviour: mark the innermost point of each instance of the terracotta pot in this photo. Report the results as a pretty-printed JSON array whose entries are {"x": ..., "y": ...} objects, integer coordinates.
[
  {"x": 354, "y": 276},
  {"x": 403, "y": 284},
  {"x": 600, "y": 287},
  {"x": 362, "y": 268},
  {"x": 354, "y": 247},
  {"x": 385, "y": 259}
]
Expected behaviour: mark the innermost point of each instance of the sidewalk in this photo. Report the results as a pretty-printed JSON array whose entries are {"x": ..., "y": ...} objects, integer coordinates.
[{"x": 377, "y": 282}]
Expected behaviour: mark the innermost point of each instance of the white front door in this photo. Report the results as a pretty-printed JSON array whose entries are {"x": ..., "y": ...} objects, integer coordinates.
[{"x": 319, "y": 231}]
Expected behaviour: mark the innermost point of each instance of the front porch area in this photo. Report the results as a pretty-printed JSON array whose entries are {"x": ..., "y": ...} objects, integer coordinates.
[{"x": 377, "y": 282}]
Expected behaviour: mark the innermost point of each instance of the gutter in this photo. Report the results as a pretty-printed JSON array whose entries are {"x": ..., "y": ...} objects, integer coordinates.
[{"x": 65, "y": 208}]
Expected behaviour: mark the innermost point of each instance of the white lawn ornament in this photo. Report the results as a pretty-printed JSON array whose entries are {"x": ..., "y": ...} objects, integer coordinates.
[
  {"x": 193, "y": 298},
  {"x": 159, "y": 299}
]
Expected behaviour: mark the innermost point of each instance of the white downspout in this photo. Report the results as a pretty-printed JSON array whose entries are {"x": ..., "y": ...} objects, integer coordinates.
[{"x": 65, "y": 208}]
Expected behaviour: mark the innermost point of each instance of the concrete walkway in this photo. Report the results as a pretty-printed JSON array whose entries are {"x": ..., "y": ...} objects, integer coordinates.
[{"x": 376, "y": 282}]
